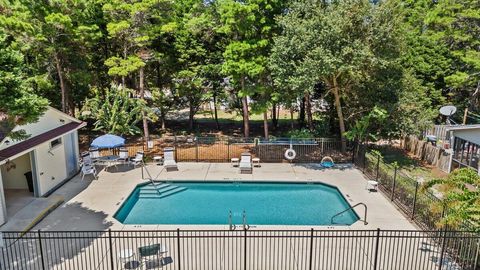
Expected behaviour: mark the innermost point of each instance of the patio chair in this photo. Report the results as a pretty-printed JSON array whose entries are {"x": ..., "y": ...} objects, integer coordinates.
[
  {"x": 122, "y": 156},
  {"x": 89, "y": 169},
  {"x": 94, "y": 154},
  {"x": 146, "y": 253},
  {"x": 327, "y": 162},
  {"x": 137, "y": 160},
  {"x": 86, "y": 159},
  {"x": 169, "y": 159},
  {"x": 246, "y": 163}
]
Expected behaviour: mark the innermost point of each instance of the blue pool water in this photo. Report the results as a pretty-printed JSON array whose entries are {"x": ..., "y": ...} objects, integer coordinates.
[{"x": 210, "y": 203}]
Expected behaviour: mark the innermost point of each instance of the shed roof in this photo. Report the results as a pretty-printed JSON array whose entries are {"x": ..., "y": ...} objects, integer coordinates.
[{"x": 39, "y": 139}]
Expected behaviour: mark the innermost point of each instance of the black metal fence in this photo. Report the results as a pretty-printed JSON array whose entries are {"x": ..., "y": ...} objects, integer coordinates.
[
  {"x": 242, "y": 250},
  {"x": 421, "y": 206},
  {"x": 222, "y": 149}
]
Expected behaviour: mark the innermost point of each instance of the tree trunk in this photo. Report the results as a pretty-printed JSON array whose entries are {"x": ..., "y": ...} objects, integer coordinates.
[
  {"x": 142, "y": 96},
  {"x": 301, "y": 116},
  {"x": 63, "y": 87},
  {"x": 191, "y": 114},
  {"x": 308, "y": 108},
  {"x": 162, "y": 120},
  {"x": 274, "y": 116},
  {"x": 246, "y": 124},
  {"x": 265, "y": 124},
  {"x": 341, "y": 121},
  {"x": 215, "y": 111},
  {"x": 291, "y": 118}
]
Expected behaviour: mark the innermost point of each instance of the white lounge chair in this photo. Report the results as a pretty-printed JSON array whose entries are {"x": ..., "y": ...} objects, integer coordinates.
[
  {"x": 246, "y": 163},
  {"x": 169, "y": 159},
  {"x": 86, "y": 159},
  {"x": 122, "y": 156},
  {"x": 89, "y": 169},
  {"x": 137, "y": 160}
]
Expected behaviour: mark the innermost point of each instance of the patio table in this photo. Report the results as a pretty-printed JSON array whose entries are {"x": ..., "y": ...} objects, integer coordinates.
[{"x": 108, "y": 161}]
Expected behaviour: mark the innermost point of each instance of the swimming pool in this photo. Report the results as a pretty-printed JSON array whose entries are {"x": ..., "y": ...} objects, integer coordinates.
[{"x": 211, "y": 202}]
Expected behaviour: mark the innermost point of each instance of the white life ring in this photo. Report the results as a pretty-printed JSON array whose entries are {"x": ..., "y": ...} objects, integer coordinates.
[{"x": 290, "y": 154}]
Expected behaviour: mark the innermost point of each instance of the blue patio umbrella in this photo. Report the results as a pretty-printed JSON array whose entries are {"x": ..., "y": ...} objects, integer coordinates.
[{"x": 108, "y": 141}]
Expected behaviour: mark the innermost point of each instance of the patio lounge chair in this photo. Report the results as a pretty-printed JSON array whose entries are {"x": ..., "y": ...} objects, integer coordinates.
[
  {"x": 246, "y": 163},
  {"x": 145, "y": 254},
  {"x": 89, "y": 169},
  {"x": 169, "y": 159},
  {"x": 137, "y": 160},
  {"x": 327, "y": 162},
  {"x": 86, "y": 159},
  {"x": 122, "y": 156}
]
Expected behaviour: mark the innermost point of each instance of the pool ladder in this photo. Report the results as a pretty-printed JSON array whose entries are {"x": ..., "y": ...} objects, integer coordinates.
[
  {"x": 232, "y": 226},
  {"x": 351, "y": 208}
]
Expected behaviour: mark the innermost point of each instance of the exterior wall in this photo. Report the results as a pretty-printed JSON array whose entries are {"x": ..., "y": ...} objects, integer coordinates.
[
  {"x": 51, "y": 166},
  {"x": 3, "y": 206},
  {"x": 49, "y": 120},
  {"x": 15, "y": 178}
]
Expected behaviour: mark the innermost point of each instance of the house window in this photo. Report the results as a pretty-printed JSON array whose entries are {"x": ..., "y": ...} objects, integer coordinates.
[{"x": 55, "y": 143}]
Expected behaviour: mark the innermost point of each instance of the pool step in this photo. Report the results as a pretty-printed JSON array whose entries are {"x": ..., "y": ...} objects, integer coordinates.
[
  {"x": 155, "y": 191},
  {"x": 154, "y": 188},
  {"x": 164, "y": 192}
]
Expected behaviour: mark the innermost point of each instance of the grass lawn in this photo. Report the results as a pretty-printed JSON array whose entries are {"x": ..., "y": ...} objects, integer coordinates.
[{"x": 410, "y": 165}]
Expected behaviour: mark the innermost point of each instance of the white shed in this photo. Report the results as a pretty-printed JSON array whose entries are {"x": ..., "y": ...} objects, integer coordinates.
[{"x": 37, "y": 165}]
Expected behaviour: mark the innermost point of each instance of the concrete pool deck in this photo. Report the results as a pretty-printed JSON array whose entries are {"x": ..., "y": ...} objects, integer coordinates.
[{"x": 90, "y": 204}]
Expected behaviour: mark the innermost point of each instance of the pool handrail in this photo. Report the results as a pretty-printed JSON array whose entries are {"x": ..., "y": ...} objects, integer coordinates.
[
  {"x": 351, "y": 208},
  {"x": 231, "y": 226}
]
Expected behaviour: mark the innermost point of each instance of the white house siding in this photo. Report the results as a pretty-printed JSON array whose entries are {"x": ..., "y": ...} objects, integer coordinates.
[
  {"x": 51, "y": 166},
  {"x": 3, "y": 207},
  {"x": 15, "y": 178},
  {"x": 51, "y": 119}
]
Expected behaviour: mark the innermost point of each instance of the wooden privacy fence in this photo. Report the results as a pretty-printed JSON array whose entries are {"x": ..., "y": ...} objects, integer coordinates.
[
  {"x": 439, "y": 131},
  {"x": 427, "y": 152},
  {"x": 215, "y": 149}
]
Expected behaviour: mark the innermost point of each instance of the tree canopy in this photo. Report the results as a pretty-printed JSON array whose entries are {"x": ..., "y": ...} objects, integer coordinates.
[{"x": 331, "y": 63}]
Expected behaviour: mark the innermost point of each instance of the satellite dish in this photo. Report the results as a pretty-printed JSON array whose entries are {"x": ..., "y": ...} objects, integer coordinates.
[{"x": 448, "y": 110}]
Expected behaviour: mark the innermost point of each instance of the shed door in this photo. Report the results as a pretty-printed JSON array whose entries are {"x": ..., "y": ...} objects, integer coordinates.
[
  {"x": 70, "y": 154},
  {"x": 3, "y": 206}
]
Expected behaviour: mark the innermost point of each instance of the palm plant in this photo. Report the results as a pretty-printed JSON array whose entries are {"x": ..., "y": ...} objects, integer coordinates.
[{"x": 115, "y": 111}]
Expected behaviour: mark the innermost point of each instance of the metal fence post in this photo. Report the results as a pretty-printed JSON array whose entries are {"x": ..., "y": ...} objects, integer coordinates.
[
  {"x": 111, "y": 248},
  {"x": 175, "y": 147},
  {"x": 228, "y": 148},
  {"x": 444, "y": 243},
  {"x": 378, "y": 167},
  {"x": 311, "y": 250},
  {"x": 196, "y": 149},
  {"x": 40, "y": 247},
  {"x": 178, "y": 250},
  {"x": 377, "y": 244},
  {"x": 245, "y": 249},
  {"x": 415, "y": 200},
  {"x": 394, "y": 182}
]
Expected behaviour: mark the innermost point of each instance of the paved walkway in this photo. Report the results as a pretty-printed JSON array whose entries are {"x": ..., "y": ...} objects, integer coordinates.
[{"x": 91, "y": 204}]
